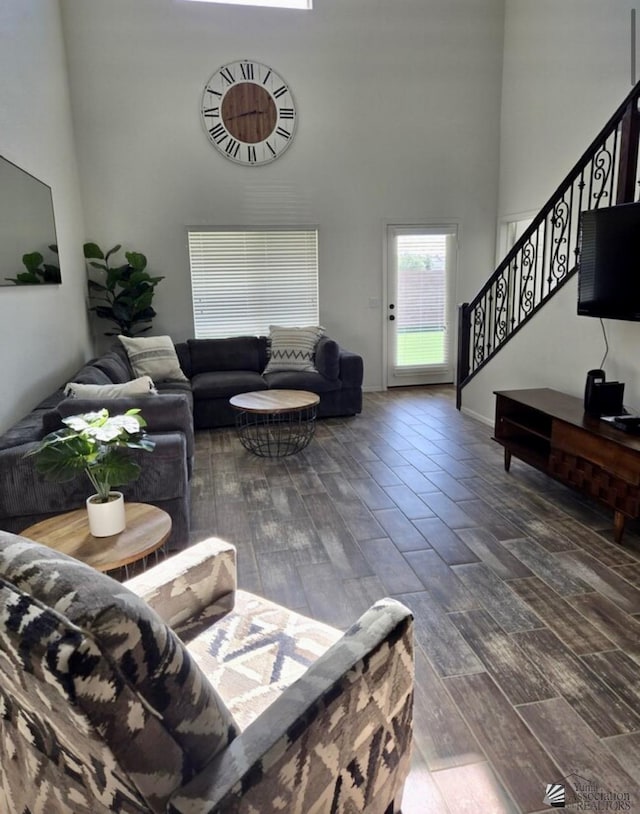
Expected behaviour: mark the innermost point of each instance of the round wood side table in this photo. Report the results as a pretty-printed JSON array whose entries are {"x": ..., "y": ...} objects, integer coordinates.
[{"x": 147, "y": 530}]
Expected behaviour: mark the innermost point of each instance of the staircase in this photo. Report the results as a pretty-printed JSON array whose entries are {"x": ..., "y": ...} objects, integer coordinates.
[{"x": 546, "y": 255}]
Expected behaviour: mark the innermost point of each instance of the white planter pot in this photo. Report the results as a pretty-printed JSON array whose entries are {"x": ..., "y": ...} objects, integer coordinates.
[{"x": 106, "y": 519}]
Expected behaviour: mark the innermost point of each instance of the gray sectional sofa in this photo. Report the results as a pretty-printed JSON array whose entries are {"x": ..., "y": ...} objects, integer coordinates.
[
  {"x": 221, "y": 368},
  {"x": 216, "y": 369}
]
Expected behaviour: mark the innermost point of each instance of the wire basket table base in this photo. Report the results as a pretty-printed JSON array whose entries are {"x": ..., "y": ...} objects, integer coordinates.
[{"x": 276, "y": 435}]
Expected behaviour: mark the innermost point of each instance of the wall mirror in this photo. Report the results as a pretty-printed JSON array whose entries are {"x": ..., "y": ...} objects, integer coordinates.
[{"x": 27, "y": 229}]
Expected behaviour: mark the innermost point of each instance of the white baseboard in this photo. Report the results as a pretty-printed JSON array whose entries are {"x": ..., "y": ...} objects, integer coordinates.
[{"x": 481, "y": 418}]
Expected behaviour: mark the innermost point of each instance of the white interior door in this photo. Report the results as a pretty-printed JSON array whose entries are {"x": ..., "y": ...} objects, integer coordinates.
[{"x": 421, "y": 265}]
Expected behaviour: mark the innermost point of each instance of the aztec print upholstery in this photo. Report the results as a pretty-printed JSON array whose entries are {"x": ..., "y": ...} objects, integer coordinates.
[
  {"x": 136, "y": 683},
  {"x": 336, "y": 740},
  {"x": 324, "y": 718},
  {"x": 51, "y": 759},
  {"x": 191, "y": 591},
  {"x": 254, "y": 653}
]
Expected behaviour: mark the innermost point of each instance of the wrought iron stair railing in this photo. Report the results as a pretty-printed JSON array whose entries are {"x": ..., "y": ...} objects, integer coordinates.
[{"x": 545, "y": 257}]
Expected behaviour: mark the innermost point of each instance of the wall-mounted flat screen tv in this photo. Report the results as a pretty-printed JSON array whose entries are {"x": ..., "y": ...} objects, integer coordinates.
[{"x": 609, "y": 262}]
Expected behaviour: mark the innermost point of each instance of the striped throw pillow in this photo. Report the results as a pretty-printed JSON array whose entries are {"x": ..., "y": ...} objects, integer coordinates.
[{"x": 153, "y": 356}]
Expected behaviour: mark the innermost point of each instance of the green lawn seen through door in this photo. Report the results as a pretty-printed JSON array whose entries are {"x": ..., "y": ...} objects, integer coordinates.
[{"x": 416, "y": 347}]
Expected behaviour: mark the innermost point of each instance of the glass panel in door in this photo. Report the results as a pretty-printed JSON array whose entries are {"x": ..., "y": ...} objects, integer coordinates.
[{"x": 421, "y": 260}]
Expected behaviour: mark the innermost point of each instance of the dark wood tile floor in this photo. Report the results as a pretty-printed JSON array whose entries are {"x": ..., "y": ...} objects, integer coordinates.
[{"x": 527, "y": 613}]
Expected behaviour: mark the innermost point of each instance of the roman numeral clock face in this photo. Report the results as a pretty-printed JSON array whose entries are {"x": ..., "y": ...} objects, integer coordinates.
[{"x": 248, "y": 112}]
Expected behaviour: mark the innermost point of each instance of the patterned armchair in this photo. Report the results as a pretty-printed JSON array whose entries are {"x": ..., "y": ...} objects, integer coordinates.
[{"x": 176, "y": 693}]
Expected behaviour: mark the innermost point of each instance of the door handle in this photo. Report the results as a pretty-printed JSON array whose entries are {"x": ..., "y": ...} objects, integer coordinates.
[{"x": 391, "y": 318}]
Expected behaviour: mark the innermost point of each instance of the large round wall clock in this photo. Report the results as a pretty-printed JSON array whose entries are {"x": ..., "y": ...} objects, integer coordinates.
[{"x": 248, "y": 112}]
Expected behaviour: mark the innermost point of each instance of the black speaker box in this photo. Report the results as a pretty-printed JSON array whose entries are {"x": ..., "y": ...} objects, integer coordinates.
[{"x": 605, "y": 398}]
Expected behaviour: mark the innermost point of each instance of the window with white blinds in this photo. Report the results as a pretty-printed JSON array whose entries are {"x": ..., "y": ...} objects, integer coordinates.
[{"x": 243, "y": 280}]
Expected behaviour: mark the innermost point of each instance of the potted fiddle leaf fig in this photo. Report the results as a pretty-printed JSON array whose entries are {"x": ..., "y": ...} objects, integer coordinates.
[
  {"x": 96, "y": 444},
  {"x": 121, "y": 293}
]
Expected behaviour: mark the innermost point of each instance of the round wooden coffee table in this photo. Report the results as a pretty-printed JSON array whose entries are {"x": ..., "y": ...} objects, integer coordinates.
[
  {"x": 275, "y": 423},
  {"x": 147, "y": 530}
]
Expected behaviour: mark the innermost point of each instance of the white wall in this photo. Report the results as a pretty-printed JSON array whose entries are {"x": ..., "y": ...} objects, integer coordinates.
[
  {"x": 398, "y": 106},
  {"x": 43, "y": 331},
  {"x": 566, "y": 69}
]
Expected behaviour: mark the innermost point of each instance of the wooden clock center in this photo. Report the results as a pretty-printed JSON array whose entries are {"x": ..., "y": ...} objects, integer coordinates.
[{"x": 249, "y": 113}]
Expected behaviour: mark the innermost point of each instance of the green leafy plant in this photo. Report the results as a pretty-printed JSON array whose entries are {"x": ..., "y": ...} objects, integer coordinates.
[
  {"x": 37, "y": 271},
  {"x": 124, "y": 293},
  {"x": 96, "y": 444}
]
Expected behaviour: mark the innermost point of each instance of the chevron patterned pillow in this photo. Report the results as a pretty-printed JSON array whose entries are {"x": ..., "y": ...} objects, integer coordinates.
[{"x": 293, "y": 348}]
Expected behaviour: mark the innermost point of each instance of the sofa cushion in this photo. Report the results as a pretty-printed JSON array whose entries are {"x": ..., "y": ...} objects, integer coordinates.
[
  {"x": 90, "y": 374},
  {"x": 30, "y": 428},
  {"x": 145, "y": 656},
  {"x": 25, "y": 493},
  {"x": 327, "y": 358},
  {"x": 226, "y": 383},
  {"x": 153, "y": 356},
  {"x": 115, "y": 363},
  {"x": 52, "y": 400},
  {"x": 184, "y": 357},
  {"x": 292, "y": 348},
  {"x": 233, "y": 353},
  {"x": 174, "y": 387},
  {"x": 303, "y": 380},
  {"x": 142, "y": 386},
  {"x": 177, "y": 387}
]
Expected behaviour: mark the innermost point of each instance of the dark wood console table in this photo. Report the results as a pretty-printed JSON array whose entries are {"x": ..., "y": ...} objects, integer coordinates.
[{"x": 550, "y": 431}]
